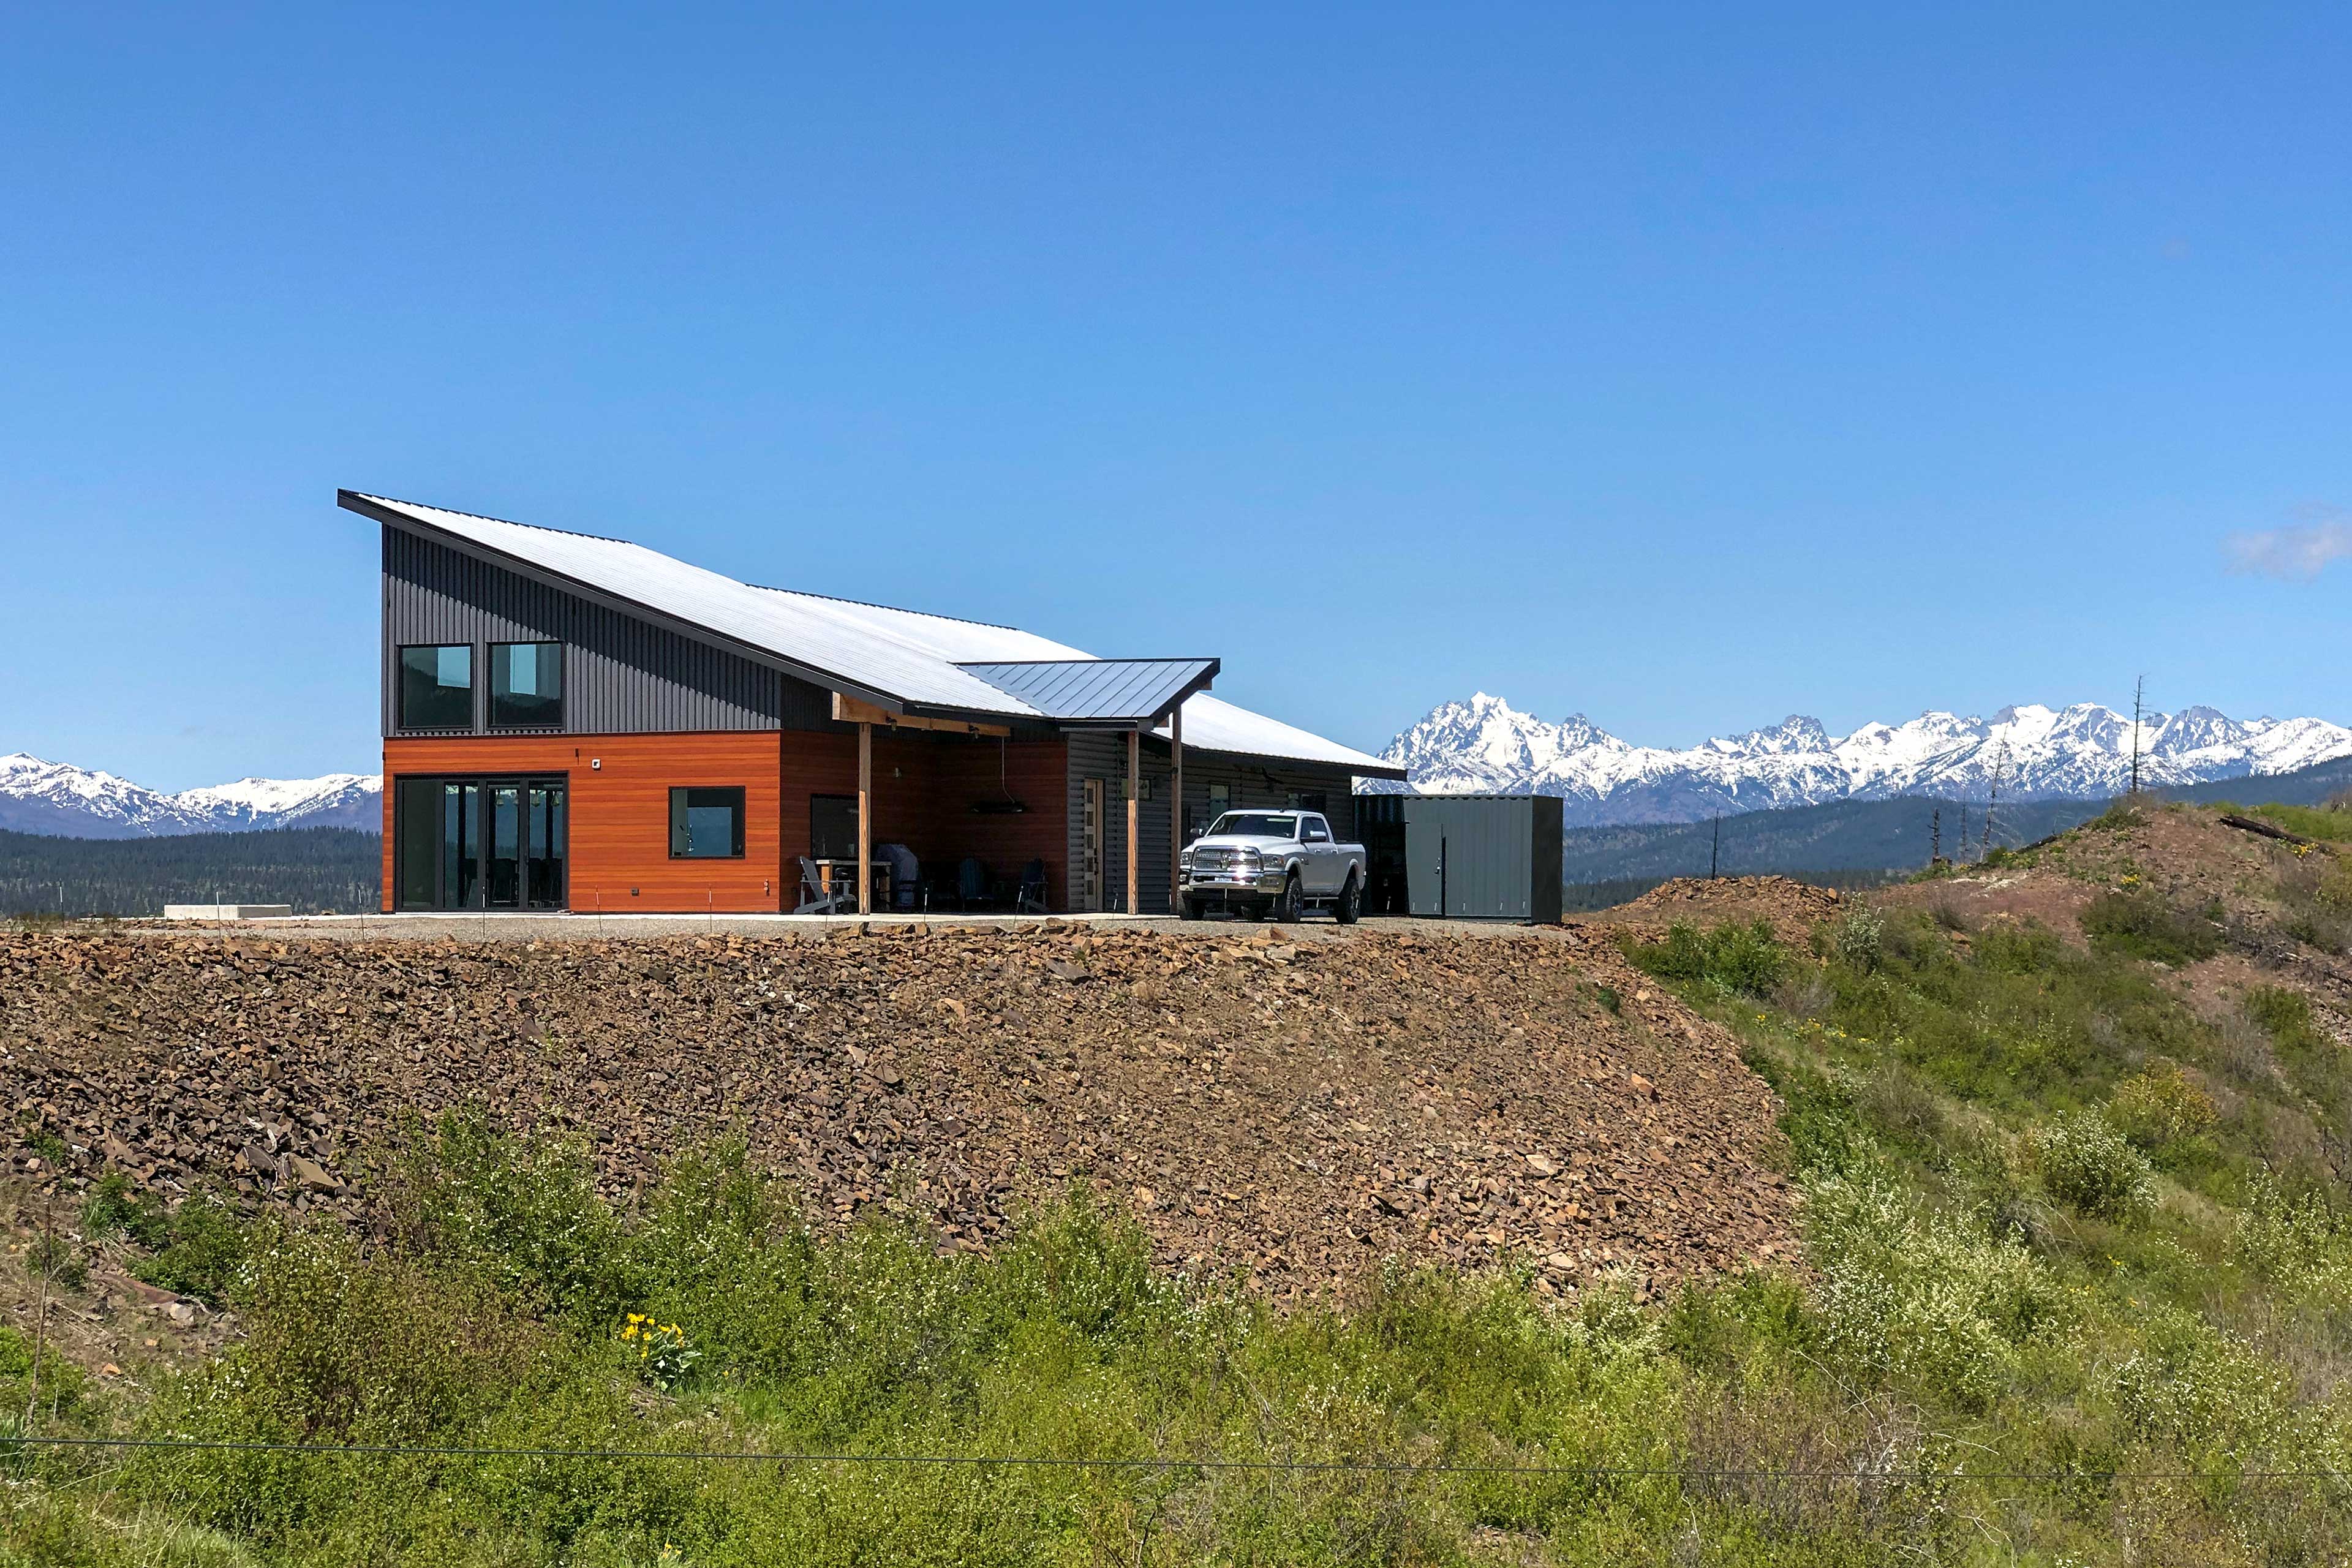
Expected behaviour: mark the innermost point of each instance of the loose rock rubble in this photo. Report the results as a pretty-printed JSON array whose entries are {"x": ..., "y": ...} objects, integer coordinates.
[
  {"x": 1292, "y": 1112},
  {"x": 1790, "y": 908}
]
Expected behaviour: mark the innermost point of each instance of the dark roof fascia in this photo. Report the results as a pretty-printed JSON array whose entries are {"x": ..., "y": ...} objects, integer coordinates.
[{"x": 351, "y": 500}]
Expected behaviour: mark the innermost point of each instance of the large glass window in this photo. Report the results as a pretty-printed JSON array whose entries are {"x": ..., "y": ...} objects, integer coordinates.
[
  {"x": 436, "y": 688},
  {"x": 470, "y": 844},
  {"x": 706, "y": 824},
  {"x": 526, "y": 685}
]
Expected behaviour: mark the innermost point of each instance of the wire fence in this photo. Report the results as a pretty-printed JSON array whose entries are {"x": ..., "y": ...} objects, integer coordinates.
[{"x": 1167, "y": 1462}]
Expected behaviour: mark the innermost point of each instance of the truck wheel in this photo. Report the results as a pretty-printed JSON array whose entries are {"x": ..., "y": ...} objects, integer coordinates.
[
  {"x": 1189, "y": 908},
  {"x": 1351, "y": 904},
  {"x": 1286, "y": 907}
]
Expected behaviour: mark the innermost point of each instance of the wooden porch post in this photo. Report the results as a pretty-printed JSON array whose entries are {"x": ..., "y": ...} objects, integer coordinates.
[
  {"x": 1134, "y": 797},
  {"x": 1175, "y": 809},
  {"x": 865, "y": 816}
]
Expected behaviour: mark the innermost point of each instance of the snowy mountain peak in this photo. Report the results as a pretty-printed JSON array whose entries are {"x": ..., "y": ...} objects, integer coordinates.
[
  {"x": 1796, "y": 734},
  {"x": 2028, "y": 751},
  {"x": 62, "y": 800}
]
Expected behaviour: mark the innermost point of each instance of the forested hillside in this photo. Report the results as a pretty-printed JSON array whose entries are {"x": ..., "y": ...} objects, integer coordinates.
[{"x": 316, "y": 869}]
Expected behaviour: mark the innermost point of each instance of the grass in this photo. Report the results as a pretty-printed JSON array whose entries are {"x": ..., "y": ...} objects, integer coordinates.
[{"x": 2058, "y": 1226}]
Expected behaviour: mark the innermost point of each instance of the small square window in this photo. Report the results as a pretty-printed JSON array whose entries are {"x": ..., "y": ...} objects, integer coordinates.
[
  {"x": 706, "y": 824},
  {"x": 526, "y": 685},
  {"x": 437, "y": 687}
]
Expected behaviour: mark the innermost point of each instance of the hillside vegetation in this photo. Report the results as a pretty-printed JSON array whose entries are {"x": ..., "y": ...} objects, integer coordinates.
[{"x": 2072, "y": 1134}]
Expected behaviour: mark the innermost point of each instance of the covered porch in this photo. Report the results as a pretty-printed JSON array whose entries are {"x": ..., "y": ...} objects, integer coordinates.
[{"x": 953, "y": 812}]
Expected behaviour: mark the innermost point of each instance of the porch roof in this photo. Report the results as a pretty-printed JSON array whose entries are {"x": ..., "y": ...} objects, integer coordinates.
[{"x": 1100, "y": 691}]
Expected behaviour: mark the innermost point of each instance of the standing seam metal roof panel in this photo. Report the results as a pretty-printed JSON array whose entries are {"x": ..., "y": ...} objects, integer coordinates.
[{"x": 1100, "y": 689}]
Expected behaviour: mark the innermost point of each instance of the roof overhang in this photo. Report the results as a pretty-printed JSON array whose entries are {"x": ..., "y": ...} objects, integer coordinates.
[{"x": 1374, "y": 770}]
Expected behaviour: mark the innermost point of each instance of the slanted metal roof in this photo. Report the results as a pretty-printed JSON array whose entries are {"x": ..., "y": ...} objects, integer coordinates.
[
  {"x": 902, "y": 657},
  {"x": 824, "y": 636},
  {"x": 1099, "y": 691}
]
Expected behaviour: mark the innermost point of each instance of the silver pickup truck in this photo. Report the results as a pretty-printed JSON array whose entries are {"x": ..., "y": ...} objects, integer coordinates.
[{"x": 1282, "y": 863}]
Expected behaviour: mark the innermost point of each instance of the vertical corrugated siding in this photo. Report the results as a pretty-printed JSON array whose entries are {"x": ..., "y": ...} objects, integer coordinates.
[
  {"x": 1102, "y": 754},
  {"x": 1501, "y": 855},
  {"x": 1247, "y": 783},
  {"x": 621, "y": 676}
]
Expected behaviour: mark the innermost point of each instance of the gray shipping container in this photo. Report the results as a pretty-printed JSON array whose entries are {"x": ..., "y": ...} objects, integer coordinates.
[{"x": 1483, "y": 857}]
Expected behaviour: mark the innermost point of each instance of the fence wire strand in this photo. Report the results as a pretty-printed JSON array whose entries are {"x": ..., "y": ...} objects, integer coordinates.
[{"x": 1156, "y": 1462}]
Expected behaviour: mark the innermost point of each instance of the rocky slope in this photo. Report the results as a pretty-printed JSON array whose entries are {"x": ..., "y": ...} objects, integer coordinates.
[
  {"x": 2081, "y": 753},
  {"x": 65, "y": 800},
  {"x": 1294, "y": 1112}
]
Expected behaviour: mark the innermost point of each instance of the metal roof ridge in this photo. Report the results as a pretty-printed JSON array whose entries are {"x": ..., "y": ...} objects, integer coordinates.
[
  {"x": 1085, "y": 659},
  {"x": 504, "y": 521}
]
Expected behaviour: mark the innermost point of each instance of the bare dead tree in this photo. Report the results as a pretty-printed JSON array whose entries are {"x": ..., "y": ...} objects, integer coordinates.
[
  {"x": 1936, "y": 838},
  {"x": 2140, "y": 693},
  {"x": 1715, "y": 855},
  {"x": 2000, "y": 760}
]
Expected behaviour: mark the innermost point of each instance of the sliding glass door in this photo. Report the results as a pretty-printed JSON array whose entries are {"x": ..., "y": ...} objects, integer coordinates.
[{"x": 480, "y": 843}]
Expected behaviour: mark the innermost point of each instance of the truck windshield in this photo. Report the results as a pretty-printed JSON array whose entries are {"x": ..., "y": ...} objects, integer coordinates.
[{"x": 1258, "y": 825}]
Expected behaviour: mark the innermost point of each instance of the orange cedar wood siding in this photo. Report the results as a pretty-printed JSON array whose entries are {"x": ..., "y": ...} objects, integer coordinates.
[
  {"x": 620, "y": 812},
  {"x": 923, "y": 793}
]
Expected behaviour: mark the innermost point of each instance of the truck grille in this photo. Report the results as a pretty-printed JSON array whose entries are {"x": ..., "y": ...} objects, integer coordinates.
[{"x": 1215, "y": 860}]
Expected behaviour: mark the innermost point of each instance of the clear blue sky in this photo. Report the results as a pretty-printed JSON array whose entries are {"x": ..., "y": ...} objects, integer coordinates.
[{"x": 1682, "y": 369}]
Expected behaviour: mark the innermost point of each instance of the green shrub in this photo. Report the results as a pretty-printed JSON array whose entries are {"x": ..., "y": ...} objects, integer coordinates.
[
  {"x": 2162, "y": 1105},
  {"x": 2298, "y": 1241},
  {"x": 200, "y": 1248},
  {"x": 2284, "y": 1013},
  {"x": 2200, "y": 1391},
  {"x": 112, "y": 1208},
  {"x": 2084, "y": 1163},
  {"x": 521, "y": 1215},
  {"x": 1736, "y": 959},
  {"x": 2138, "y": 924},
  {"x": 1921, "y": 1297},
  {"x": 1861, "y": 939}
]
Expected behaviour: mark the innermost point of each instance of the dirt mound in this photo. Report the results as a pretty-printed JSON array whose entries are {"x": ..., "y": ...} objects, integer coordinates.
[
  {"x": 1294, "y": 1111},
  {"x": 1791, "y": 908}
]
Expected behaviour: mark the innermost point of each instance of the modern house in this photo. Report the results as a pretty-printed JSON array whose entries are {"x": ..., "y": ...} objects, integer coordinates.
[{"x": 577, "y": 722}]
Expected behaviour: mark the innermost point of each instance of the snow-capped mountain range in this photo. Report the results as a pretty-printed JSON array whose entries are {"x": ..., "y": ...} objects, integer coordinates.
[
  {"x": 2083, "y": 752},
  {"x": 1483, "y": 746},
  {"x": 62, "y": 800}
]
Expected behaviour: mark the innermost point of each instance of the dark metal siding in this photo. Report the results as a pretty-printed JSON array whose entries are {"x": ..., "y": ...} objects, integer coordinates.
[
  {"x": 621, "y": 676},
  {"x": 1099, "y": 754},
  {"x": 1271, "y": 784},
  {"x": 1484, "y": 857}
]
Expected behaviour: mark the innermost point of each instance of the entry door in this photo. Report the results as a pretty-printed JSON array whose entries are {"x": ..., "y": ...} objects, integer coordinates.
[{"x": 1090, "y": 889}]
